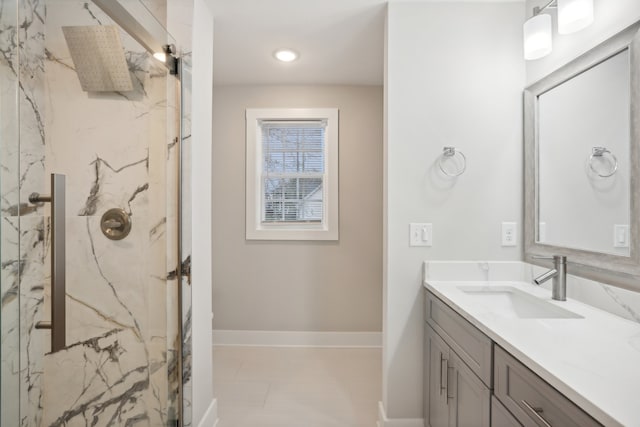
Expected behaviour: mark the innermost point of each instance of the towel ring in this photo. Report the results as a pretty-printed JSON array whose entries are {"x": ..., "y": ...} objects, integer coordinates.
[
  {"x": 601, "y": 152},
  {"x": 450, "y": 152}
]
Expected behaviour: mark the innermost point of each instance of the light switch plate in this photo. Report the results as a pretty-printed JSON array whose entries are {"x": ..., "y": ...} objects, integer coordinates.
[
  {"x": 420, "y": 234},
  {"x": 509, "y": 234},
  {"x": 620, "y": 236},
  {"x": 542, "y": 232}
]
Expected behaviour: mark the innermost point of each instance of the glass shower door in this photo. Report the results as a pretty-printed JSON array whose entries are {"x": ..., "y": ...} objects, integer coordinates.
[
  {"x": 184, "y": 224},
  {"x": 10, "y": 256},
  {"x": 59, "y": 115}
]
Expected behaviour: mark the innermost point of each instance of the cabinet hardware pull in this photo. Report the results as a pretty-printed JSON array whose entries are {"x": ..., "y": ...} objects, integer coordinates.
[
  {"x": 448, "y": 397},
  {"x": 536, "y": 412},
  {"x": 443, "y": 362}
]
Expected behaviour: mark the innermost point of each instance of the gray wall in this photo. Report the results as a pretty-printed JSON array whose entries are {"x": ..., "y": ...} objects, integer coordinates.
[
  {"x": 300, "y": 286},
  {"x": 455, "y": 74}
]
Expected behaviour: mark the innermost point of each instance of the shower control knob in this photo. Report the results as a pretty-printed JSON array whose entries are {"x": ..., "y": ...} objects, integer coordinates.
[{"x": 115, "y": 224}]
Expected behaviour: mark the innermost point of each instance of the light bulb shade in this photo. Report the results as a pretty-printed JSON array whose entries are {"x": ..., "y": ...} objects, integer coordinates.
[
  {"x": 538, "y": 40},
  {"x": 574, "y": 15}
]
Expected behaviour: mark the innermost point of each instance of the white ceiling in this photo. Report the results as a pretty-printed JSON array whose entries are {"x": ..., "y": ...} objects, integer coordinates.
[{"x": 339, "y": 41}]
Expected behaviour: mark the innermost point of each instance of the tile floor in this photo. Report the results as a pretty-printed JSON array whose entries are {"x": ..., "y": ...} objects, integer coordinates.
[{"x": 297, "y": 387}]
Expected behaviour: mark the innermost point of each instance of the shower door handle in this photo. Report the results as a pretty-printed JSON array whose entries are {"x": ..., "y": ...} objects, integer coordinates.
[{"x": 58, "y": 273}]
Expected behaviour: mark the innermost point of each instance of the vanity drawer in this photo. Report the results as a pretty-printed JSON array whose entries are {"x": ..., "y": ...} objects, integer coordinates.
[
  {"x": 469, "y": 343},
  {"x": 530, "y": 399},
  {"x": 500, "y": 417}
]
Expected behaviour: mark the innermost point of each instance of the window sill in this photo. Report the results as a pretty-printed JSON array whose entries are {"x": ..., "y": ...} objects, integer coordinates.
[{"x": 291, "y": 233}]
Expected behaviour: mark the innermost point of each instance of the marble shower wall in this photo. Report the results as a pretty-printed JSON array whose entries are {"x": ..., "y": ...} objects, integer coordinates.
[{"x": 114, "y": 149}]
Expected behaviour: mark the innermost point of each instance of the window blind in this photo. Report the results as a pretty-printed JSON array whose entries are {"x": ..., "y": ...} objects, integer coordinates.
[{"x": 293, "y": 167}]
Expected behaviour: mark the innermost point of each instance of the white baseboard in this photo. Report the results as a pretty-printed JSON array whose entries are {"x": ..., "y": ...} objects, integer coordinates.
[
  {"x": 210, "y": 418},
  {"x": 297, "y": 338},
  {"x": 383, "y": 421}
]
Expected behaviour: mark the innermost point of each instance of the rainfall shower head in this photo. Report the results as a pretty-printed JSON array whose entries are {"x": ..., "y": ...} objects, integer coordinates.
[{"x": 99, "y": 58}]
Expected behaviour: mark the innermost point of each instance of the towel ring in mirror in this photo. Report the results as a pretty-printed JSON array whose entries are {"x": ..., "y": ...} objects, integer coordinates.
[{"x": 603, "y": 152}]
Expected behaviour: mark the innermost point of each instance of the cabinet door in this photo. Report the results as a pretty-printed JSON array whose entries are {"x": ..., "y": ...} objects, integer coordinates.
[
  {"x": 471, "y": 405},
  {"x": 467, "y": 341},
  {"x": 437, "y": 408}
]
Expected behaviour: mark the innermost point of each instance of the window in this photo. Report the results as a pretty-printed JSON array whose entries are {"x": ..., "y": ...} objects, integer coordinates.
[{"x": 292, "y": 174}]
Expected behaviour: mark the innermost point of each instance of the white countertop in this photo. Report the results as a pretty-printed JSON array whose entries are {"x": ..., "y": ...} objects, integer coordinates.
[{"x": 594, "y": 361}]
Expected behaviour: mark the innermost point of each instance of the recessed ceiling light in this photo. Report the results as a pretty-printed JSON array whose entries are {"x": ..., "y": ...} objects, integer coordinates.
[{"x": 285, "y": 55}]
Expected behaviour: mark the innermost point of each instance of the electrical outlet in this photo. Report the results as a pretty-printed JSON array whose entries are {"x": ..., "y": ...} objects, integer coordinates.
[
  {"x": 420, "y": 234},
  {"x": 509, "y": 234}
]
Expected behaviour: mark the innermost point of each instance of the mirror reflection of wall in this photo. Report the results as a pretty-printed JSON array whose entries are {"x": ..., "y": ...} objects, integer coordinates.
[{"x": 578, "y": 206}]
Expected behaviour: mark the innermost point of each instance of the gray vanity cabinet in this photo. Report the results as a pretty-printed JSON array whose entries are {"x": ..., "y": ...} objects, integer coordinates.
[
  {"x": 455, "y": 395},
  {"x": 455, "y": 357},
  {"x": 462, "y": 369}
]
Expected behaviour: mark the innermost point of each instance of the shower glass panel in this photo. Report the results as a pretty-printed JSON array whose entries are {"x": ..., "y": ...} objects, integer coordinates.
[
  {"x": 10, "y": 257},
  {"x": 185, "y": 233},
  {"x": 118, "y": 148}
]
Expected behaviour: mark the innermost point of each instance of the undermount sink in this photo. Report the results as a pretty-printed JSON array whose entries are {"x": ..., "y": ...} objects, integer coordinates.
[{"x": 507, "y": 301}]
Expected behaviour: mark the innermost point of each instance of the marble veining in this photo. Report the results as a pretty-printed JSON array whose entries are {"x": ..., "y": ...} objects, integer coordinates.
[
  {"x": 34, "y": 229},
  {"x": 12, "y": 268},
  {"x": 91, "y": 205},
  {"x": 9, "y": 93},
  {"x": 618, "y": 300},
  {"x": 34, "y": 252},
  {"x": 105, "y": 370}
]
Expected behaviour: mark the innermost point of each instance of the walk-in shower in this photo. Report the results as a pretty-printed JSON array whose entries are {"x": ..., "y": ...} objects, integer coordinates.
[{"x": 94, "y": 240}]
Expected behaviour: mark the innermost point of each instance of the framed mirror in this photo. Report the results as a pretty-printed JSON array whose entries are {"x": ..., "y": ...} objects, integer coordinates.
[{"x": 582, "y": 166}]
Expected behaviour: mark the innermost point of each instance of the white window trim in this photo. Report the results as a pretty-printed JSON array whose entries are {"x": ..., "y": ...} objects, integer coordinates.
[{"x": 255, "y": 229}]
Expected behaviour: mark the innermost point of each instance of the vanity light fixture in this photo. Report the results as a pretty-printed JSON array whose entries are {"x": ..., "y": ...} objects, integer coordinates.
[
  {"x": 285, "y": 55},
  {"x": 538, "y": 39},
  {"x": 573, "y": 15}
]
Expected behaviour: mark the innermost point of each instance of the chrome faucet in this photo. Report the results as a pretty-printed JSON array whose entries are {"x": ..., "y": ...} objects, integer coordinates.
[{"x": 559, "y": 275}]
